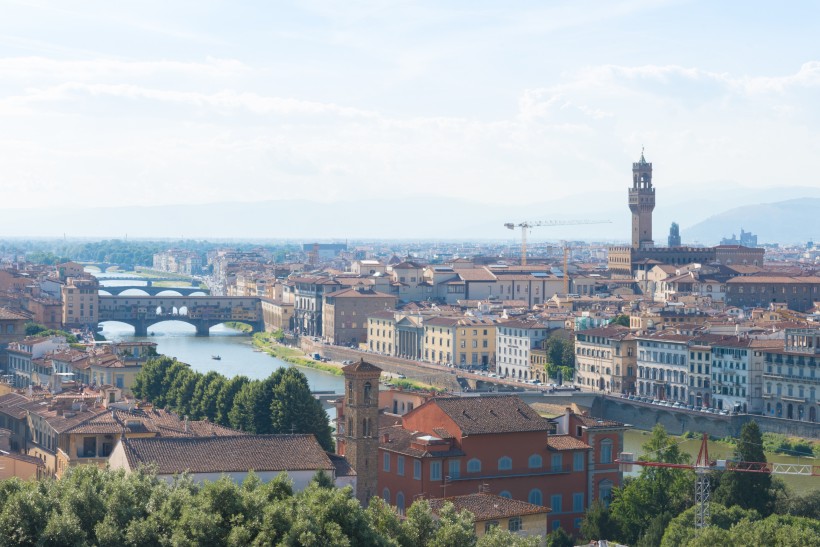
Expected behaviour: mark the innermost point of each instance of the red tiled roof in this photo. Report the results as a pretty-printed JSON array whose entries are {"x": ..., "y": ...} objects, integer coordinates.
[
  {"x": 487, "y": 415},
  {"x": 238, "y": 453},
  {"x": 489, "y": 506},
  {"x": 566, "y": 442}
]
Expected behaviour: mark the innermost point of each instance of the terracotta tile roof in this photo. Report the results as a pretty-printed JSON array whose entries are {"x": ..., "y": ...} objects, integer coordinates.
[
  {"x": 22, "y": 458},
  {"x": 361, "y": 366},
  {"x": 476, "y": 274},
  {"x": 400, "y": 440},
  {"x": 343, "y": 468},
  {"x": 238, "y": 453},
  {"x": 487, "y": 415},
  {"x": 12, "y": 404},
  {"x": 12, "y": 315},
  {"x": 566, "y": 442},
  {"x": 489, "y": 506}
]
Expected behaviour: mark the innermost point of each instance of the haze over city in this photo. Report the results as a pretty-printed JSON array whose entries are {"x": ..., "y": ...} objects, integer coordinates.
[{"x": 339, "y": 102}]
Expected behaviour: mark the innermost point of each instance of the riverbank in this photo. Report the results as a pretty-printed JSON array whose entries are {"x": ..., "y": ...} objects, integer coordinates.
[
  {"x": 241, "y": 327},
  {"x": 267, "y": 343}
]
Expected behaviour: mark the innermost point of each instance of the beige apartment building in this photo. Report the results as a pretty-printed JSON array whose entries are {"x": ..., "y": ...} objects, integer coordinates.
[
  {"x": 81, "y": 302},
  {"x": 606, "y": 359},
  {"x": 277, "y": 315},
  {"x": 345, "y": 313},
  {"x": 460, "y": 341},
  {"x": 381, "y": 332}
]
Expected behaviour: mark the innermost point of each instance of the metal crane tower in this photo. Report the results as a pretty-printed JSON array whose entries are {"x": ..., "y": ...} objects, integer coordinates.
[
  {"x": 703, "y": 467},
  {"x": 526, "y": 225}
]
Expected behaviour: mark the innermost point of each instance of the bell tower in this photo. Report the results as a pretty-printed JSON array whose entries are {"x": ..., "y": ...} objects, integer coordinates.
[
  {"x": 359, "y": 439},
  {"x": 642, "y": 203}
]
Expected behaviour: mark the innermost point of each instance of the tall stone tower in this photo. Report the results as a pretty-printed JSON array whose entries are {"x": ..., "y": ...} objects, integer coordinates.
[
  {"x": 361, "y": 426},
  {"x": 674, "y": 235},
  {"x": 642, "y": 203}
]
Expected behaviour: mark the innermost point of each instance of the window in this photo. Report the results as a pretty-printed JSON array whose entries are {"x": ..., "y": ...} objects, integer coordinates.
[
  {"x": 578, "y": 461},
  {"x": 417, "y": 469},
  {"x": 504, "y": 463},
  {"x": 606, "y": 451},
  {"x": 387, "y": 461},
  {"x": 578, "y": 502},
  {"x": 435, "y": 471},
  {"x": 557, "y": 463},
  {"x": 514, "y": 524},
  {"x": 489, "y": 525},
  {"x": 605, "y": 491},
  {"x": 535, "y": 462},
  {"x": 386, "y": 495},
  {"x": 400, "y": 502},
  {"x": 454, "y": 469},
  {"x": 555, "y": 503},
  {"x": 474, "y": 466},
  {"x": 505, "y": 494},
  {"x": 556, "y": 524},
  {"x": 535, "y": 497},
  {"x": 400, "y": 465}
]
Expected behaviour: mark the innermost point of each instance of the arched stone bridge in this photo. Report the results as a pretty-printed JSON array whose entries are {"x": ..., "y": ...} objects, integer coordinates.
[
  {"x": 203, "y": 312},
  {"x": 150, "y": 290}
]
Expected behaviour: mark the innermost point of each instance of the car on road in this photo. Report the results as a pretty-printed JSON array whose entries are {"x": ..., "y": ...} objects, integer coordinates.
[
  {"x": 347, "y": 362},
  {"x": 401, "y": 376}
]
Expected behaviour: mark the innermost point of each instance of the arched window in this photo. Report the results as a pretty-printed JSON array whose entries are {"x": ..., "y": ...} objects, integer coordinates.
[
  {"x": 386, "y": 495},
  {"x": 400, "y": 502},
  {"x": 505, "y": 494},
  {"x": 535, "y": 497},
  {"x": 605, "y": 491},
  {"x": 350, "y": 393},
  {"x": 474, "y": 466},
  {"x": 367, "y": 389},
  {"x": 535, "y": 461},
  {"x": 504, "y": 463}
]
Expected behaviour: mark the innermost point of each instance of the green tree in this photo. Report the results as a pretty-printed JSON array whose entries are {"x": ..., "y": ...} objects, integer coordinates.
[
  {"x": 681, "y": 530},
  {"x": 748, "y": 490},
  {"x": 776, "y": 530},
  {"x": 454, "y": 529},
  {"x": 597, "y": 523},
  {"x": 225, "y": 399},
  {"x": 622, "y": 320},
  {"x": 420, "y": 526},
  {"x": 499, "y": 537},
  {"x": 559, "y": 538},
  {"x": 293, "y": 407},
  {"x": 658, "y": 493},
  {"x": 149, "y": 382},
  {"x": 209, "y": 402},
  {"x": 807, "y": 505},
  {"x": 251, "y": 409},
  {"x": 199, "y": 400}
]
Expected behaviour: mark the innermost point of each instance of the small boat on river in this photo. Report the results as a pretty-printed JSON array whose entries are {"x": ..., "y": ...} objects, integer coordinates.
[{"x": 216, "y": 357}]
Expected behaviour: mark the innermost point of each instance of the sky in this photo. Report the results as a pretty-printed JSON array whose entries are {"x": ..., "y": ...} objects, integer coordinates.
[{"x": 155, "y": 102}]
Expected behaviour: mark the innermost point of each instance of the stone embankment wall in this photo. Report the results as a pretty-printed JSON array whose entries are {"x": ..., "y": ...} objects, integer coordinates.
[
  {"x": 411, "y": 369},
  {"x": 678, "y": 421}
]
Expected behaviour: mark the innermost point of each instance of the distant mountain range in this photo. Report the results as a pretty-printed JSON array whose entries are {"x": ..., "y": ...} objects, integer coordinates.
[
  {"x": 791, "y": 221},
  {"x": 423, "y": 217}
]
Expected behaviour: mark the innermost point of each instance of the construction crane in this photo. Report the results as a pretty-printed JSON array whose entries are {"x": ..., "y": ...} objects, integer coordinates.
[
  {"x": 704, "y": 466},
  {"x": 526, "y": 225}
]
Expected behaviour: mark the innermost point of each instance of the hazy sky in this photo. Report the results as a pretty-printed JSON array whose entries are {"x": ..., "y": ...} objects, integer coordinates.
[{"x": 109, "y": 103}]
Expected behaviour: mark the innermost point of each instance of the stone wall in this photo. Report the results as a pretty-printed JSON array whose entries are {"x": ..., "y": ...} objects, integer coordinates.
[{"x": 678, "y": 421}]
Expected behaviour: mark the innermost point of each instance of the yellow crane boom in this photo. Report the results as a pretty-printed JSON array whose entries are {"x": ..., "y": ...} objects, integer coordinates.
[{"x": 526, "y": 225}]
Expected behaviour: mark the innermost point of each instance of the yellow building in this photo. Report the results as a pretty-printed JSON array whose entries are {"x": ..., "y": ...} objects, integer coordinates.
[
  {"x": 460, "y": 341},
  {"x": 381, "y": 332},
  {"x": 490, "y": 511},
  {"x": 81, "y": 302}
]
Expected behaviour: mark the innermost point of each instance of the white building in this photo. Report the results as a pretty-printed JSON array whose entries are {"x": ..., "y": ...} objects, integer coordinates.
[
  {"x": 662, "y": 366},
  {"x": 513, "y": 343}
]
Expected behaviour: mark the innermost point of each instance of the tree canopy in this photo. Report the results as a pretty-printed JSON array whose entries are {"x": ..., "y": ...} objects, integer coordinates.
[{"x": 281, "y": 403}]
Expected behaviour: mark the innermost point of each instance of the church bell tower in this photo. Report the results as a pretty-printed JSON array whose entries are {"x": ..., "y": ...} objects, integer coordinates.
[
  {"x": 360, "y": 437},
  {"x": 642, "y": 203}
]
